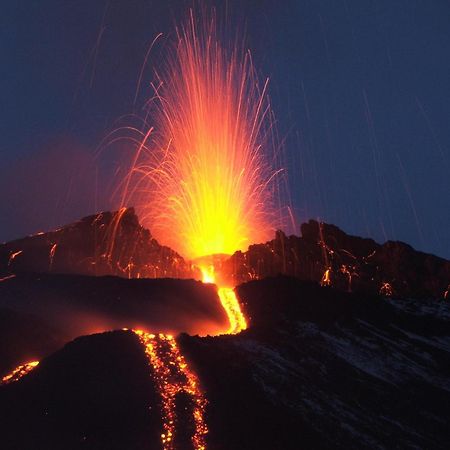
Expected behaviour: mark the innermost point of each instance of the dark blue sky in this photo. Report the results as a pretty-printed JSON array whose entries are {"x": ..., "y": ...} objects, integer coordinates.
[{"x": 360, "y": 89}]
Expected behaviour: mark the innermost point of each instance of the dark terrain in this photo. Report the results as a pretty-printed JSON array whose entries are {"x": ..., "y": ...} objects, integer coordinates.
[{"x": 319, "y": 367}]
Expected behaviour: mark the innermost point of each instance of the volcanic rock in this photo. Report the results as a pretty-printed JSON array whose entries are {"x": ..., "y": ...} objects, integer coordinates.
[
  {"x": 323, "y": 369},
  {"x": 79, "y": 304},
  {"x": 317, "y": 369},
  {"x": 116, "y": 244},
  {"x": 354, "y": 264},
  {"x": 95, "y": 393},
  {"x": 26, "y": 337},
  {"x": 108, "y": 243}
]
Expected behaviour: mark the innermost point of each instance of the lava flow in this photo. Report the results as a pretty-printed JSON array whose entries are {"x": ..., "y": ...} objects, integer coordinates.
[
  {"x": 228, "y": 300},
  {"x": 19, "y": 372},
  {"x": 173, "y": 377}
]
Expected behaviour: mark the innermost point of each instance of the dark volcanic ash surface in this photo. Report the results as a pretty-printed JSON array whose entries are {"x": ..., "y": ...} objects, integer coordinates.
[
  {"x": 95, "y": 393},
  {"x": 58, "y": 308},
  {"x": 317, "y": 369},
  {"x": 322, "y": 369}
]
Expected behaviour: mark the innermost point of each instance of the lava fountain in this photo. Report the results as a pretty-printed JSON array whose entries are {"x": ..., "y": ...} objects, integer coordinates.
[{"x": 201, "y": 176}]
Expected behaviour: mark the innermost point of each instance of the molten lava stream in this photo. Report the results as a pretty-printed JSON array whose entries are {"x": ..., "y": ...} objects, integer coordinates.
[
  {"x": 173, "y": 377},
  {"x": 229, "y": 301},
  {"x": 19, "y": 372},
  {"x": 233, "y": 309}
]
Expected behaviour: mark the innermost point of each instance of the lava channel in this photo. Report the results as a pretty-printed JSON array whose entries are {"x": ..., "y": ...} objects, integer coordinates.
[{"x": 173, "y": 377}]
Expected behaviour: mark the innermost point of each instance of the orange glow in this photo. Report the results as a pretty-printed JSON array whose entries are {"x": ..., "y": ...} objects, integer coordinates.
[
  {"x": 13, "y": 256},
  {"x": 52, "y": 255},
  {"x": 208, "y": 275},
  {"x": 229, "y": 302},
  {"x": 386, "y": 289},
  {"x": 326, "y": 280},
  {"x": 233, "y": 309},
  {"x": 200, "y": 177},
  {"x": 172, "y": 377},
  {"x": 19, "y": 372}
]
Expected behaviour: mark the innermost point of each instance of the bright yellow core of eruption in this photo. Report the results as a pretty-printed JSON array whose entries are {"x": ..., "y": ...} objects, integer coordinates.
[
  {"x": 202, "y": 175},
  {"x": 229, "y": 302}
]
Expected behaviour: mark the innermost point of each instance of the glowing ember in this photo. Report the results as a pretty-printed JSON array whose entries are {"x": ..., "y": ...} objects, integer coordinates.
[
  {"x": 173, "y": 377},
  {"x": 386, "y": 289},
  {"x": 19, "y": 372},
  {"x": 13, "y": 256},
  {"x": 326, "y": 280},
  {"x": 200, "y": 176},
  {"x": 52, "y": 255},
  {"x": 345, "y": 270},
  {"x": 8, "y": 277}
]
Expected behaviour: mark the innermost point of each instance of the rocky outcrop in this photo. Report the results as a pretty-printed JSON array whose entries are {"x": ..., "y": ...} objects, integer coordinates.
[
  {"x": 116, "y": 244},
  {"x": 327, "y": 255},
  {"x": 103, "y": 244}
]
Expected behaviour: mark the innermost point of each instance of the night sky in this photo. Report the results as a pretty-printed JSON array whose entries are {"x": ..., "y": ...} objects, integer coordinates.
[{"x": 360, "y": 90}]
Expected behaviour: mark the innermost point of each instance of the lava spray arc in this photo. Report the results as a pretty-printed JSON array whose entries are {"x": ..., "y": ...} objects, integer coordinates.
[{"x": 202, "y": 177}]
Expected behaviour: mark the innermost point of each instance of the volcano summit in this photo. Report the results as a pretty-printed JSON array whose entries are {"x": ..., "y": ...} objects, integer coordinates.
[{"x": 326, "y": 362}]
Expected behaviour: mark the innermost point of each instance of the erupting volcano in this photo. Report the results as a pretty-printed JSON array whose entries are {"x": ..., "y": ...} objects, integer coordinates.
[
  {"x": 202, "y": 176},
  {"x": 194, "y": 321},
  {"x": 202, "y": 181}
]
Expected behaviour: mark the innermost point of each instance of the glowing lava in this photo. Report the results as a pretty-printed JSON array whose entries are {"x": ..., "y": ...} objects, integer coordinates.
[
  {"x": 19, "y": 372},
  {"x": 173, "y": 377},
  {"x": 233, "y": 309},
  {"x": 326, "y": 280},
  {"x": 386, "y": 289},
  {"x": 13, "y": 256},
  {"x": 229, "y": 302},
  {"x": 201, "y": 176}
]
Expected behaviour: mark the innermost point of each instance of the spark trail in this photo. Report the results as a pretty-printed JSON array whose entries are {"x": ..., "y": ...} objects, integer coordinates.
[{"x": 202, "y": 176}]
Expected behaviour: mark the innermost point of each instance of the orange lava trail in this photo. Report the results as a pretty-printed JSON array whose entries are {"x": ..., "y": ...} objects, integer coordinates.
[
  {"x": 228, "y": 300},
  {"x": 326, "y": 280},
  {"x": 173, "y": 377},
  {"x": 19, "y": 372},
  {"x": 232, "y": 307},
  {"x": 13, "y": 256}
]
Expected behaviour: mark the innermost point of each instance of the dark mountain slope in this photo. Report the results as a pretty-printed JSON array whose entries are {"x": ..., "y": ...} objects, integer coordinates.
[{"x": 317, "y": 369}]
